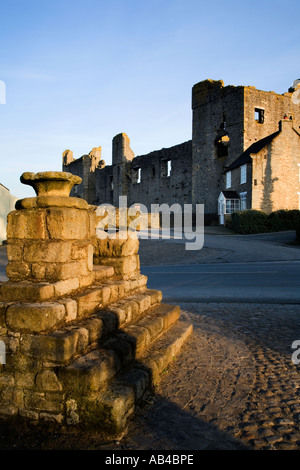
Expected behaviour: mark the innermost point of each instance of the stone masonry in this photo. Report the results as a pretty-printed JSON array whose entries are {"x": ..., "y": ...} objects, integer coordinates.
[
  {"x": 84, "y": 337},
  {"x": 227, "y": 122}
]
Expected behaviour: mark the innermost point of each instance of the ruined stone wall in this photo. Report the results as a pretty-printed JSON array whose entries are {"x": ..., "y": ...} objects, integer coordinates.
[
  {"x": 226, "y": 122},
  {"x": 104, "y": 186},
  {"x": 156, "y": 185},
  {"x": 85, "y": 167}
]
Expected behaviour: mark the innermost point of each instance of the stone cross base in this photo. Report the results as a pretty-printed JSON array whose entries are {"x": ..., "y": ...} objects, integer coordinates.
[{"x": 84, "y": 337}]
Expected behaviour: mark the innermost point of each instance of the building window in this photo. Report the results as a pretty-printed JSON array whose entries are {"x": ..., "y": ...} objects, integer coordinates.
[
  {"x": 244, "y": 173},
  {"x": 259, "y": 115},
  {"x": 136, "y": 175},
  {"x": 153, "y": 172},
  {"x": 228, "y": 179},
  {"x": 243, "y": 201},
  {"x": 165, "y": 168},
  {"x": 232, "y": 205}
]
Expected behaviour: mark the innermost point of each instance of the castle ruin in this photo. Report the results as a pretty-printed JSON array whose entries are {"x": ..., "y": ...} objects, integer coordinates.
[{"x": 233, "y": 128}]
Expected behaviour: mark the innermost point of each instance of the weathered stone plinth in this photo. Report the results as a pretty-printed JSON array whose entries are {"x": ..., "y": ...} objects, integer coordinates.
[{"x": 84, "y": 337}]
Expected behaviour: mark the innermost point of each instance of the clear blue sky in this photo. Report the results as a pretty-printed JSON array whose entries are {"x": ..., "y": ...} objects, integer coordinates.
[{"x": 78, "y": 72}]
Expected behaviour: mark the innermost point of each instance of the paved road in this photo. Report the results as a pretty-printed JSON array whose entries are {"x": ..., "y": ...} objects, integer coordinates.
[
  {"x": 275, "y": 282},
  {"x": 253, "y": 268}
]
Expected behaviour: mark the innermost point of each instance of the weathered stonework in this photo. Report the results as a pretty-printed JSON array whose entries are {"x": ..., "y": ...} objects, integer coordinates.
[
  {"x": 227, "y": 122},
  {"x": 84, "y": 337}
]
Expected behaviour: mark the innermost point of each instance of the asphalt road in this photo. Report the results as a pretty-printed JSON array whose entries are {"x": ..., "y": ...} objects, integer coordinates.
[
  {"x": 260, "y": 268},
  {"x": 263, "y": 282}
]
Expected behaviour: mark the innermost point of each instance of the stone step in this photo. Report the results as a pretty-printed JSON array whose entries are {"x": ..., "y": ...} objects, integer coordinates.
[
  {"x": 31, "y": 317},
  {"x": 94, "y": 370},
  {"x": 62, "y": 345},
  {"x": 129, "y": 309},
  {"x": 150, "y": 327},
  {"x": 103, "y": 272},
  {"x": 111, "y": 408},
  {"x": 106, "y": 293}
]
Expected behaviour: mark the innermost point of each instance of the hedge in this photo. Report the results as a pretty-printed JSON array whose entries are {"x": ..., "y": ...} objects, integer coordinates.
[
  {"x": 249, "y": 221},
  {"x": 254, "y": 221}
]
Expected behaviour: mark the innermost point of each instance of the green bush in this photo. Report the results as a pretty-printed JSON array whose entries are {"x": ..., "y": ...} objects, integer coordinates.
[
  {"x": 249, "y": 221},
  {"x": 283, "y": 220},
  {"x": 254, "y": 221}
]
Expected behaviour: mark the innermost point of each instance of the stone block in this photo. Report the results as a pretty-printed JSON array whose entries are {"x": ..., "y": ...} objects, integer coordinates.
[
  {"x": 47, "y": 381},
  {"x": 66, "y": 286},
  {"x": 73, "y": 269},
  {"x": 35, "y": 317},
  {"x": 27, "y": 291},
  {"x": 27, "y": 223},
  {"x": 71, "y": 309},
  {"x": 37, "y": 402},
  {"x": 95, "y": 329},
  {"x": 57, "y": 347},
  {"x": 14, "y": 250},
  {"x": 79, "y": 250},
  {"x": 125, "y": 266},
  {"x": 38, "y": 271},
  {"x": 3, "y": 306},
  {"x": 102, "y": 272},
  {"x": 63, "y": 271},
  {"x": 87, "y": 280},
  {"x": 25, "y": 379},
  {"x": 118, "y": 247},
  {"x": 67, "y": 224},
  {"x": 89, "y": 301},
  {"x": 47, "y": 251},
  {"x": 18, "y": 270}
]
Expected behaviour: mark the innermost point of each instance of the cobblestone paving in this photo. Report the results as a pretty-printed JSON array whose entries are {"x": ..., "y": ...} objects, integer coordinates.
[{"x": 233, "y": 387}]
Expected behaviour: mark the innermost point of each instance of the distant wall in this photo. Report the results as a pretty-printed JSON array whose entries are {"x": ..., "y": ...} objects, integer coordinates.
[
  {"x": 165, "y": 176},
  {"x": 7, "y": 204}
]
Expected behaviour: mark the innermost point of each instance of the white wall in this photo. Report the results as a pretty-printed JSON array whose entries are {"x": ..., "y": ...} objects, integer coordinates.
[{"x": 7, "y": 204}]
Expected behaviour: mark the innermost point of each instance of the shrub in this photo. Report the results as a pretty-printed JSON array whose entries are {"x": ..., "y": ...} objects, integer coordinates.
[
  {"x": 283, "y": 220},
  {"x": 249, "y": 221}
]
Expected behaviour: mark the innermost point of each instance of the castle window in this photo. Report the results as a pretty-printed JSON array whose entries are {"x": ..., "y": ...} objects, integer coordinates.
[
  {"x": 243, "y": 201},
  {"x": 153, "y": 171},
  {"x": 259, "y": 115},
  {"x": 228, "y": 179},
  {"x": 169, "y": 168},
  {"x": 139, "y": 175},
  {"x": 243, "y": 174},
  {"x": 165, "y": 169}
]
